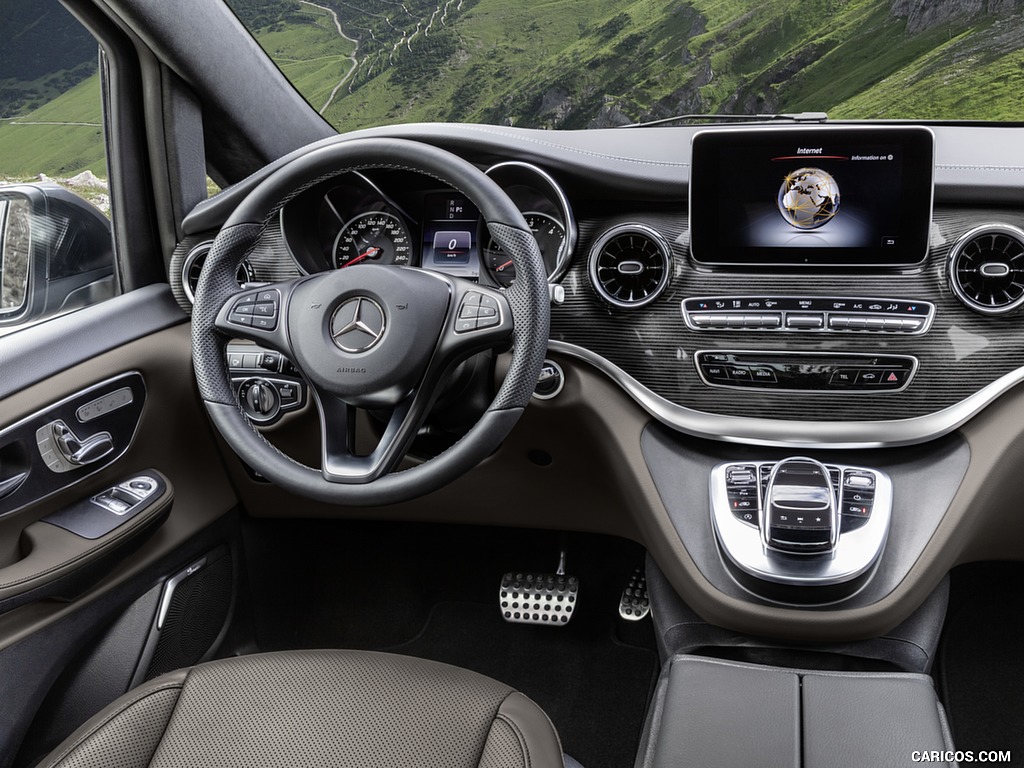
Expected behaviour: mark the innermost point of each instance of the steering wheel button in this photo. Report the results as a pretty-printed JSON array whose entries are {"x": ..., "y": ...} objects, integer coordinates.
[
  {"x": 264, "y": 323},
  {"x": 470, "y": 310},
  {"x": 490, "y": 302},
  {"x": 487, "y": 322},
  {"x": 265, "y": 308},
  {"x": 472, "y": 299},
  {"x": 267, "y": 296},
  {"x": 249, "y": 299},
  {"x": 244, "y": 309},
  {"x": 238, "y": 319},
  {"x": 469, "y": 324}
]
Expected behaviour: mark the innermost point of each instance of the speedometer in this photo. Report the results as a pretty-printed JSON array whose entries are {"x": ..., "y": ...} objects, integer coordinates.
[
  {"x": 550, "y": 235},
  {"x": 377, "y": 237}
]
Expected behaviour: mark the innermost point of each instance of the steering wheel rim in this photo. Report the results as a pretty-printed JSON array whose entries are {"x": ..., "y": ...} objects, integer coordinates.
[{"x": 317, "y": 300}]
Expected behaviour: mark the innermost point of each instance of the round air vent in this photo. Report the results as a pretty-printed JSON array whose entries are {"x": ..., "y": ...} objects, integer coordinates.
[
  {"x": 986, "y": 269},
  {"x": 193, "y": 265},
  {"x": 629, "y": 265}
]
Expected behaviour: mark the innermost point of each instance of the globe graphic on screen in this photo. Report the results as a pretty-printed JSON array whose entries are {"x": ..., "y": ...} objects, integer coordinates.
[{"x": 808, "y": 198}]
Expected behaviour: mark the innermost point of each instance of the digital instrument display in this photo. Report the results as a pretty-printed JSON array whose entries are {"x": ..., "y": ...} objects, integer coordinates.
[
  {"x": 811, "y": 196},
  {"x": 450, "y": 235}
]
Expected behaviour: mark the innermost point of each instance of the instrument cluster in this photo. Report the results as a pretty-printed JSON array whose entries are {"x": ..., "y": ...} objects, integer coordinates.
[{"x": 405, "y": 219}]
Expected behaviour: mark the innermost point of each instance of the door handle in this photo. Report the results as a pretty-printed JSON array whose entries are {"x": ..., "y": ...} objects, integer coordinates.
[{"x": 78, "y": 451}]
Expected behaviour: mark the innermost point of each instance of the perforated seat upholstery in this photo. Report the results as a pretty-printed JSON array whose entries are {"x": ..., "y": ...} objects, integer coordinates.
[{"x": 317, "y": 708}]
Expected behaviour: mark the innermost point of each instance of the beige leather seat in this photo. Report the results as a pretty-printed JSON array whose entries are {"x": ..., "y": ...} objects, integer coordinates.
[{"x": 344, "y": 709}]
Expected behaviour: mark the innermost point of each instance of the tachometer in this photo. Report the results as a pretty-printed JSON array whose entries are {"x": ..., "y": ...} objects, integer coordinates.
[
  {"x": 377, "y": 237},
  {"x": 550, "y": 237}
]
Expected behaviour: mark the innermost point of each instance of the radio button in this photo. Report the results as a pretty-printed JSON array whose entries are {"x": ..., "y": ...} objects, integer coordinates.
[{"x": 740, "y": 375}]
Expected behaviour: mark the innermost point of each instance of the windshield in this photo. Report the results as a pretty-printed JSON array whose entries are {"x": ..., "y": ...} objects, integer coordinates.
[{"x": 605, "y": 63}]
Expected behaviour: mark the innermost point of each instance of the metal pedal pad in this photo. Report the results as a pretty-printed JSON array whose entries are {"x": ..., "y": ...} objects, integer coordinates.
[
  {"x": 635, "y": 604},
  {"x": 538, "y": 598}
]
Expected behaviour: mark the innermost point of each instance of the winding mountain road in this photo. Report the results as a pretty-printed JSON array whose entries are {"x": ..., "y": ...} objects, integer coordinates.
[{"x": 352, "y": 57}]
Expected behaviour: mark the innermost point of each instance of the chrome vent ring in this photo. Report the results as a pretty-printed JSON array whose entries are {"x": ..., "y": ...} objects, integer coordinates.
[
  {"x": 193, "y": 265},
  {"x": 986, "y": 269},
  {"x": 630, "y": 265}
]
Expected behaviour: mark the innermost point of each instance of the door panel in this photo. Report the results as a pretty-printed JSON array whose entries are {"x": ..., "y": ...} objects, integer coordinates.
[{"x": 44, "y": 638}]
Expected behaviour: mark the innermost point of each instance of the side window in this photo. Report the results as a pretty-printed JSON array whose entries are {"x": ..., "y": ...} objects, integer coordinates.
[{"x": 56, "y": 246}]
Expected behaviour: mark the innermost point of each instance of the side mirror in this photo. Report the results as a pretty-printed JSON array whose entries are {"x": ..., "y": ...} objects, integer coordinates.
[{"x": 56, "y": 253}]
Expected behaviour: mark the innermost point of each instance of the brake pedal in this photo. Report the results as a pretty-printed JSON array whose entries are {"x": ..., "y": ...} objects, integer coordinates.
[
  {"x": 539, "y": 598},
  {"x": 635, "y": 604}
]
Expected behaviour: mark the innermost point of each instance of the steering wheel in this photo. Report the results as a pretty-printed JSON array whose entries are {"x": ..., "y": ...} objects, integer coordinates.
[{"x": 372, "y": 336}]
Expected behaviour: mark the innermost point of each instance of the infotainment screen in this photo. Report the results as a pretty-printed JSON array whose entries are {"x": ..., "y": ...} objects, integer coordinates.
[{"x": 818, "y": 196}]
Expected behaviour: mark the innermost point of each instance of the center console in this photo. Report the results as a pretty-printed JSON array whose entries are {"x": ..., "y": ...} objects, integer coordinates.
[
  {"x": 721, "y": 714},
  {"x": 801, "y": 524}
]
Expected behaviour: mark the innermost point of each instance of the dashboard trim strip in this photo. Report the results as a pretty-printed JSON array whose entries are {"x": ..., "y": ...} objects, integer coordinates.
[{"x": 788, "y": 433}]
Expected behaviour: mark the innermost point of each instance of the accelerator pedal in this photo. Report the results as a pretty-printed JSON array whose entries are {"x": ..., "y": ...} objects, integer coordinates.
[
  {"x": 539, "y": 598},
  {"x": 635, "y": 603}
]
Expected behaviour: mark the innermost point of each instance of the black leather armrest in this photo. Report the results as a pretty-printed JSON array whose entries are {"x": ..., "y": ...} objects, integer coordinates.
[{"x": 710, "y": 713}]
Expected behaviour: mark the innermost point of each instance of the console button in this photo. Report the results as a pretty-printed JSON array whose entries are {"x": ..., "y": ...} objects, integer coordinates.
[
  {"x": 715, "y": 372},
  {"x": 739, "y": 375},
  {"x": 701, "y": 321},
  {"x": 869, "y": 376},
  {"x": 894, "y": 378},
  {"x": 736, "y": 321},
  {"x": 875, "y": 323},
  {"x": 773, "y": 320},
  {"x": 843, "y": 377},
  {"x": 805, "y": 321},
  {"x": 857, "y": 510},
  {"x": 763, "y": 376},
  {"x": 839, "y": 322}
]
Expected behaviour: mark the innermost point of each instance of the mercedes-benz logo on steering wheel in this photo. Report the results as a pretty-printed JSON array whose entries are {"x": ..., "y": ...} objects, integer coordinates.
[{"x": 357, "y": 325}]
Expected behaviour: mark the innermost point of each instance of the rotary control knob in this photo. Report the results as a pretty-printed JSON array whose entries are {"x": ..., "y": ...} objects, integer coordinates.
[{"x": 260, "y": 400}]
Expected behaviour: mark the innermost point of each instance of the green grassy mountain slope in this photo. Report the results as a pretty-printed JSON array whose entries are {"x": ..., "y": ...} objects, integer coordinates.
[
  {"x": 62, "y": 138},
  {"x": 574, "y": 63},
  {"x": 597, "y": 63}
]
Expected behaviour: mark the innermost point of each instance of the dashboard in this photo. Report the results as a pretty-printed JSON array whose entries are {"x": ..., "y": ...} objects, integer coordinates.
[{"x": 850, "y": 344}]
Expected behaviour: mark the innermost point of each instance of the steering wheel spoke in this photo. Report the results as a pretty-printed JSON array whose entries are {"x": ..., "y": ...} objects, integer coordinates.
[
  {"x": 340, "y": 463},
  {"x": 259, "y": 314}
]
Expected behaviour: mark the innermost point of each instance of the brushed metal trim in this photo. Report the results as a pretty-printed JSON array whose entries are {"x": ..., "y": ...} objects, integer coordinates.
[{"x": 803, "y": 434}]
